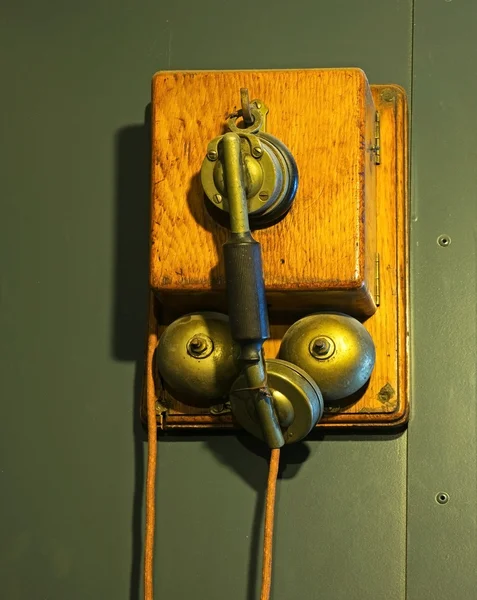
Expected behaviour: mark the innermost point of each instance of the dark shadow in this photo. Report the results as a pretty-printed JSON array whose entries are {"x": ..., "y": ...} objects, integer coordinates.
[
  {"x": 205, "y": 219},
  {"x": 132, "y": 154},
  {"x": 248, "y": 457}
]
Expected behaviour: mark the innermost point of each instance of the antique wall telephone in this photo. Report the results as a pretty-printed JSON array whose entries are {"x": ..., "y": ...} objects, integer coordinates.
[{"x": 309, "y": 335}]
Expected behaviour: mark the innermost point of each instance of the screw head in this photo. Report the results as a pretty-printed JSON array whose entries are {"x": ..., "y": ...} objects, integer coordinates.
[
  {"x": 444, "y": 241},
  {"x": 388, "y": 95},
  {"x": 257, "y": 151},
  {"x": 212, "y": 154},
  {"x": 264, "y": 196},
  {"x": 218, "y": 198}
]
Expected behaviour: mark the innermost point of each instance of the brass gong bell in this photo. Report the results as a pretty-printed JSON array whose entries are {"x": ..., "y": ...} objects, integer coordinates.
[
  {"x": 334, "y": 349},
  {"x": 196, "y": 358},
  {"x": 296, "y": 398}
]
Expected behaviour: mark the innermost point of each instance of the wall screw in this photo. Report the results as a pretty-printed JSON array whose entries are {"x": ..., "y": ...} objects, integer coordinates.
[
  {"x": 444, "y": 241},
  {"x": 442, "y": 498}
]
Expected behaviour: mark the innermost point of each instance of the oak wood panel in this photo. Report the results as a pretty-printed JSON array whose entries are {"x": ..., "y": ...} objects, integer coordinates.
[
  {"x": 384, "y": 402},
  {"x": 322, "y": 252}
]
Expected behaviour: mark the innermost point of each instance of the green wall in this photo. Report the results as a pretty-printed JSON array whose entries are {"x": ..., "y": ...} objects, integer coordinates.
[{"x": 356, "y": 516}]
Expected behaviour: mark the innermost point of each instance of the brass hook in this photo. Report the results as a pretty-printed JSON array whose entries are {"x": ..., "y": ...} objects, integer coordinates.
[{"x": 246, "y": 110}]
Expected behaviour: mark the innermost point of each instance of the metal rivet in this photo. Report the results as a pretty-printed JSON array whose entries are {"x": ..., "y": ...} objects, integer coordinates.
[
  {"x": 444, "y": 241},
  {"x": 218, "y": 198},
  {"x": 212, "y": 154},
  {"x": 442, "y": 498}
]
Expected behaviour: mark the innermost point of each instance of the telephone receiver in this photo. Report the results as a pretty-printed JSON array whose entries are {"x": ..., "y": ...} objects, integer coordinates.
[{"x": 250, "y": 180}]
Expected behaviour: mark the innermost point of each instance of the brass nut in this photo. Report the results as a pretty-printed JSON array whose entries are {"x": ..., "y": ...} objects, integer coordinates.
[
  {"x": 200, "y": 346},
  {"x": 322, "y": 347}
]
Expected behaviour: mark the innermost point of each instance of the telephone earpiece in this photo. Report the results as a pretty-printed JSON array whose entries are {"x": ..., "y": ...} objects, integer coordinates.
[
  {"x": 334, "y": 349},
  {"x": 296, "y": 398},
  {"x": 197, "y": 359}
]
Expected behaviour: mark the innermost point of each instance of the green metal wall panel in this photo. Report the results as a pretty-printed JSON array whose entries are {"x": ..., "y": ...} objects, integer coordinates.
[
  {"x": 73, "y": 275},
  {"x": 442, "y": 538}
]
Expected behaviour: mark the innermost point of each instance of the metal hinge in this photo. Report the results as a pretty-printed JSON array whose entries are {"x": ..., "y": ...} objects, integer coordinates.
[
  {"x": 377, "y": 281},
  {"x": 377, "y": 140}
]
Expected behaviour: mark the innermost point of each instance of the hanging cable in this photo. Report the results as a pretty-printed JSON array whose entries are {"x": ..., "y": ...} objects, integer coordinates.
[
  {"x": 269, "y": 522},
  {"x": 151, "y": 472}
]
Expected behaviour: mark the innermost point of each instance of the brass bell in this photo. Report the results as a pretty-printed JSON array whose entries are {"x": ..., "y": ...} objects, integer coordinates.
[
  {"x": 334, "y": 349},
  {"x": 196, "y": 358}
]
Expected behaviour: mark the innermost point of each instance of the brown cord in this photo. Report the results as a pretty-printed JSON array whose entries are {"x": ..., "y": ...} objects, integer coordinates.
[
  {"x": 151, "y": 469},
  {"x": 150, "y": 503},
  {"x": 269, "y": 521},
  {"x": 151, "y": 507}
]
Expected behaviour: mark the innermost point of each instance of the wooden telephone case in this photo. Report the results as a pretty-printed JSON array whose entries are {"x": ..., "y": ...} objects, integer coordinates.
[{"x": 343, "y": 246}]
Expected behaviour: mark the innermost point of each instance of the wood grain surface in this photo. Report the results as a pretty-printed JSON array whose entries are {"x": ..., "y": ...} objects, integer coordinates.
[
  {"x": 384, "y": 401},
  {"x": 322, "y": 253}
]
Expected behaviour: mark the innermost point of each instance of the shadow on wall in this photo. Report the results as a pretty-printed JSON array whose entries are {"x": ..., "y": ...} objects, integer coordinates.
[
  {"x": 246, "y": 467},
  {"x": 132, "y": 151},
  {"x": 248, "y": 458}
]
